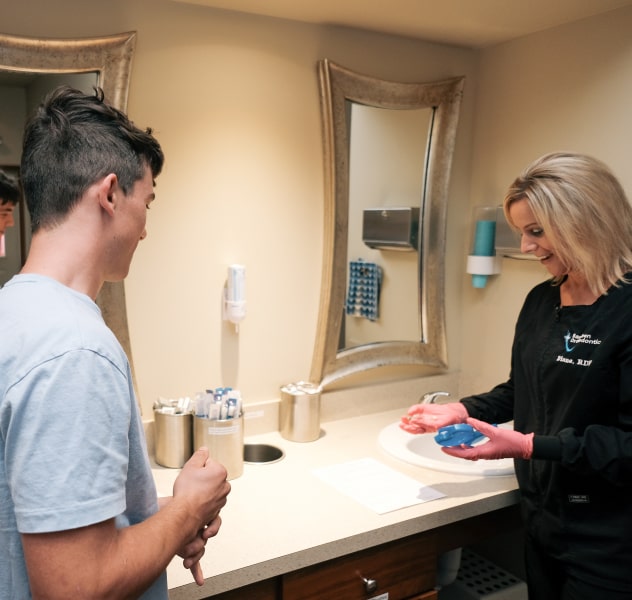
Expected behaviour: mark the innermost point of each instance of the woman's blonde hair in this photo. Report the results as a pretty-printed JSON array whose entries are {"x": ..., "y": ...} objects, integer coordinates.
[{"x": 584, "y": 213}]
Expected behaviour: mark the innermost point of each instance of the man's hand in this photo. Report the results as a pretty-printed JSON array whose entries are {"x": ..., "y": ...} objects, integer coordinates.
[
  {"x": 193, "y": 551},
  {"x": 104, "y": 561},
  {"x": 503, "y": 443},
  {"x": 203, "y": 483},
  {"x": 426, "y": 418}
]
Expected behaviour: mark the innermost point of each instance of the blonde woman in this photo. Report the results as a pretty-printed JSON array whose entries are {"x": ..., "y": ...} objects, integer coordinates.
[{"x": 569, "y": 392}]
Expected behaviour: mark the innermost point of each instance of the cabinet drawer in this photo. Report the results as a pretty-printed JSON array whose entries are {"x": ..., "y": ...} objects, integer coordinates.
[{"x": 405, "y": 568}]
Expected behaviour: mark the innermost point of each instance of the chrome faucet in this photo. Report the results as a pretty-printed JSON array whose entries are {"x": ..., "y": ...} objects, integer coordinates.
[{"x": 431, "y": 397}]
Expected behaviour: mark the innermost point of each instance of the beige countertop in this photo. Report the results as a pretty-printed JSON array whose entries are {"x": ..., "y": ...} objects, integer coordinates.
[{"x": 281, "y": 517}]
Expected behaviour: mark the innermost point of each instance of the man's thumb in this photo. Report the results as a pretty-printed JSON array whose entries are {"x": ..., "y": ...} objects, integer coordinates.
[{"x": 199, "y": 457}]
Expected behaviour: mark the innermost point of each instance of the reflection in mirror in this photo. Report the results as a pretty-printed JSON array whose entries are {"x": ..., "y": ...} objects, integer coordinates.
[
  {"x": 20, "y": 94},
  {"x": 387, "y": 156},
  {"x": 12, "y": 246},
  {"x": 431, "y": 112},
  {"x": 107, "y": 60}
]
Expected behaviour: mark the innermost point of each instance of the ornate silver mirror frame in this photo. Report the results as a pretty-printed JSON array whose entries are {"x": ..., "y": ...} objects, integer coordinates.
[
  {"x": 110, "y": 57},
  {"x": 338, "y": 88}
]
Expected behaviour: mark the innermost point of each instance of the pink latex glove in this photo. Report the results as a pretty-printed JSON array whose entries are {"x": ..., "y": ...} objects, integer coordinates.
[
  {"x": 503, "y": 443},
  {"x": 426, "y": 418}
]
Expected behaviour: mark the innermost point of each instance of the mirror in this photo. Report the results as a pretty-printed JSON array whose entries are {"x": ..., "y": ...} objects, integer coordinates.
[
  {"x": 343, "y": 93},
  {"x": 110, "y": 58}
]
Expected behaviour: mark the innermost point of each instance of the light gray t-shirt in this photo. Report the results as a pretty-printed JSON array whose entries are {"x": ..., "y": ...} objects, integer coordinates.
[{"x": 72, "y": 447}]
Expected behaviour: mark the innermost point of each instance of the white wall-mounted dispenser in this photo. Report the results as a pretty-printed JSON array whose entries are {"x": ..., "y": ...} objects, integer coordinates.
[
  {"x": 482, "y": 261},
  {"x": 235, "y": 295}
]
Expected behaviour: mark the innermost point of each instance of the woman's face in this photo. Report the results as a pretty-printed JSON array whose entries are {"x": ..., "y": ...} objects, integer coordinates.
[{"x": 533, "y": 238}]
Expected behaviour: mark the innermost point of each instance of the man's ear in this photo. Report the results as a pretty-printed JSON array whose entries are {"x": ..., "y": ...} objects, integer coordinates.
[{"x": 108, "y": 193}]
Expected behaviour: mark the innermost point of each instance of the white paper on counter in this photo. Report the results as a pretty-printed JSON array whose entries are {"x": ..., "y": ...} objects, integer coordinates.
[{"x": 375, "y": 485}]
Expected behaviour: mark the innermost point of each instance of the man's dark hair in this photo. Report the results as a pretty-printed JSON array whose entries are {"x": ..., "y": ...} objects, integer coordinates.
[
  {"x": 74, "y": 139},
  {"x": 9, "y": 189}
]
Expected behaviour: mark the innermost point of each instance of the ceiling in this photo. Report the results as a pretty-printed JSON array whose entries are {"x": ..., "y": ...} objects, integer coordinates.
[{"x": 470, "y": 23}]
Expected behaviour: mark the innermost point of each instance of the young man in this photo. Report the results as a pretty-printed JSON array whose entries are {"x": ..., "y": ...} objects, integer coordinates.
[
  {"x": 79, "y": 516},
  {"x": 9, "y": 196}
]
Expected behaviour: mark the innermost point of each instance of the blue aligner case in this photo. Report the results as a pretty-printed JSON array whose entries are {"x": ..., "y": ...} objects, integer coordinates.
[{"x": 455, "y": 435}]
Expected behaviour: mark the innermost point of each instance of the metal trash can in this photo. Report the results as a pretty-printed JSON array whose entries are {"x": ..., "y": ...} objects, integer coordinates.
[
  {"x": 299, "y": 412},
  {"x": 173, "y": 433},
  {"x": 224, "y": 439}
]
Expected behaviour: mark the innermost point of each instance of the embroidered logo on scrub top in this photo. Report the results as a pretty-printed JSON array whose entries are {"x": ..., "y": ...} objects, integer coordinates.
[
  {"x": 567, "y": 338},
  {"x": 571, "y": 341}
]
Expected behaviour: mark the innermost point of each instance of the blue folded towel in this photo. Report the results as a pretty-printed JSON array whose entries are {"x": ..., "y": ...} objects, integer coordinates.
[{"x": 363, "y": 292}]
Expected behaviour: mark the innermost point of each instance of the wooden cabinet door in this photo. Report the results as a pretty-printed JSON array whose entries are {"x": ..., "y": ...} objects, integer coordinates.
[{"x": 405, "y": 569}]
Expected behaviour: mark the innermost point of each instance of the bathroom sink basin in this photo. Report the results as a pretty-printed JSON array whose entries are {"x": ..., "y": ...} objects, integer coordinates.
[{"x": 422, "y": 450}]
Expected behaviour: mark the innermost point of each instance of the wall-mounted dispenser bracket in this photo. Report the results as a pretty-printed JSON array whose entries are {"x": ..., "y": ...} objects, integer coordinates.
[
  {"x": 234, "y": 305},
  {"x": 481, "y": 267}
]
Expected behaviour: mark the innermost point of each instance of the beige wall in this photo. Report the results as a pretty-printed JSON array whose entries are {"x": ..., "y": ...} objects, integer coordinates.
[
  {"x": 234, "y": 101},
  {"x": 569, "y": 88}
]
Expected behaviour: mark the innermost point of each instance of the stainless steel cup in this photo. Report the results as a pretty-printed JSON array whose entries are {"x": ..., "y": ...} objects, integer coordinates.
[
  {"x": 299, "y": 412},
  {"x": 173, "y": 433},
  {"x": 225, "y": 441}
]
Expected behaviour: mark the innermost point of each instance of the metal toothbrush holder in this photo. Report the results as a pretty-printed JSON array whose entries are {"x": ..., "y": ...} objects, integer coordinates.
[
  {"x": 173, "y": 438},
  {"x": 299, "y": 412},
  {"x": 224, "y": 439}
]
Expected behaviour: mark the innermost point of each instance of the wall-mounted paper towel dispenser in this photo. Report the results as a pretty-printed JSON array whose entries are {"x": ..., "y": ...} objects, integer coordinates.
[{"x": 391, "y": 228}]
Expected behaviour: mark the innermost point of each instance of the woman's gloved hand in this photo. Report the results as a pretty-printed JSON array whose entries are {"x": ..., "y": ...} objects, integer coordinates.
[
  {"x": 503, "y": 443},
  {"x": 426, "y": 418}
]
